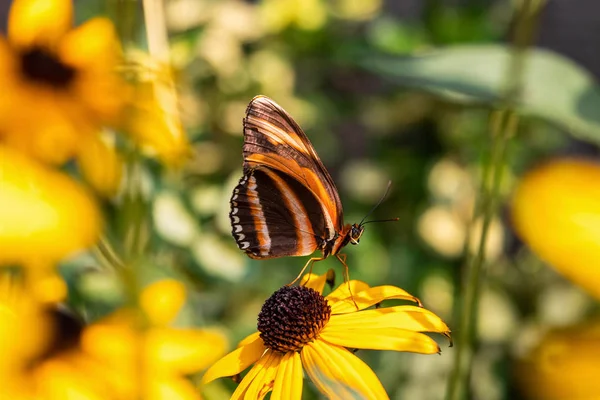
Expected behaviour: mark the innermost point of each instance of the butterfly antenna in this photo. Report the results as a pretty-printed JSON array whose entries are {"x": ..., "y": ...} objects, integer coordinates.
[
  {"x": 387, "y": 191},
  {"x": 382, "y": 220}
]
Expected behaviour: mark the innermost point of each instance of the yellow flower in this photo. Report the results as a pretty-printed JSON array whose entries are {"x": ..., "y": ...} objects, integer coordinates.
[
  {"x": 146, "y": 358},
  {"x": 59, "y": 83},
  {"x": 556, "y": 211},
  {"x": 44, "y": 217},
  {"x": 300, "y": 329},
  {"x": 24, "y": 332},
  {"x": 48, "y": 353},
  {"x": 152, "y": 117},
  {"x": 40, "y": 358},
  {"x": 563, "y": 366}
]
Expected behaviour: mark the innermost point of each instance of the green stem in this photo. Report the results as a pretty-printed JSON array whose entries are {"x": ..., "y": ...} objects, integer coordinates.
[
  {"x": 125, "y": 14},
  {"x": 134, "y": 210},
  {"x": 503, "y": 126}
]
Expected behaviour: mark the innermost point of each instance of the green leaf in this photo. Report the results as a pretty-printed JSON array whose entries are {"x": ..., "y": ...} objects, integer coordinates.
[{"x": 554, "y": 88}]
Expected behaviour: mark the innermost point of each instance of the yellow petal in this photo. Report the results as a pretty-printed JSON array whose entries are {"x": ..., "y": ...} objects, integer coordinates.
[
  {"x": 94, "y": 51},
  {"x": 369, "y": 297},
  {"x": 44, "y": 283},
  {"x": 162, "y": 300},
  {"x": 313, "y": 281},
  {"x": 174, "y": 388},
  {"x": 37, "y": 218},
  {"x": 249, "y": 339},
  {"x": 153, "y": 121},
  {"x": 254, "y": 374},
  {"x": 185, "y": 350},
  {"x": 39, "y": 22},
  {"x": 70, "y": 377},
  {"x": 265, "y": 378},
  {"x": 343, "y": 291},
  {"x": 43, "y": 125},
  {"x": 236, "y": 361},
  {"x": 381, "y": 339},
  {"x": 100, "y": 165},
  {"x": 93, "y": 44},
  {"x": 122, "y": 343},
  {"x": 339, "y": 374},
  {"x": 288, "y": 382},
  {"x": 22, "y": 317},
  {"x": 406, "y": 317},
  {"x": 10, "y": 65},
  {"x": 556, "y": 211}
]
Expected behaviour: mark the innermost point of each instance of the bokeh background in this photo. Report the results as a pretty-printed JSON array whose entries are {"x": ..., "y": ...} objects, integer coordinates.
[{"x": 328, "y": 64}]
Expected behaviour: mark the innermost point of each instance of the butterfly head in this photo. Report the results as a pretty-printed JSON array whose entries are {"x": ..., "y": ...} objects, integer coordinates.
[{"x": 356, "y": 231}]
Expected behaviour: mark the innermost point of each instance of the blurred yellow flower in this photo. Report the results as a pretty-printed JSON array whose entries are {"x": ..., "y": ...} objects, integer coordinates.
[
  {"x": 152, "y": 117},
  {"x": 40, "y": 357},
  {"x": 48, "y": 353},
  {"x": 563, "y": 366},
  {"x": 300, "y": 329},
  {"x": 100, "y": 164},
  {"x": 59, "y": 83},
  {"x": 44, "y": 217},
  {"x": 147, "y": 358},
  {"x": 556, "y": 211},
  {"x": 24, "y": 332}
]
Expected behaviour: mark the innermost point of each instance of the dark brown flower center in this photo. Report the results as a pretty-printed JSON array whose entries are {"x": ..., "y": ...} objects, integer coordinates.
[
  {"x": 292, "y": 317},
  {"x": 42, "y": 66},
  {"x": 66, "y": 335}
]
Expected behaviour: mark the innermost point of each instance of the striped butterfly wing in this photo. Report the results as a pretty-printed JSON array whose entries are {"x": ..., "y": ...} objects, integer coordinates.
[
  {"x": 302, "y": 200},
  {"x": 273, "y": 215}
]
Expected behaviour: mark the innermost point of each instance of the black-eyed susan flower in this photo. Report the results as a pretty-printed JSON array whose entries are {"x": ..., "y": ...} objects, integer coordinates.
[
  {"x": 121, "y": 357},
  {"x": 147, "y": 358},
  {"x": 299, "y": 329},
  {"x": 60, "y": 87},
  {"x": 556, "y": 211},
  {"x": 24, "y": 333},
  {"x": 59, "y": 83},
  {"x": 40, "y": 354}
]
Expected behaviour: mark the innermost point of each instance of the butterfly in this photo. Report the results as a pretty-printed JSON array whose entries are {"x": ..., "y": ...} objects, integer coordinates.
[{"x": 286, "y": 203}]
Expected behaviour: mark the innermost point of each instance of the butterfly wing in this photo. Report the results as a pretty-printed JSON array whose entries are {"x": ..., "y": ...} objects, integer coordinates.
[
  {"x": 286, "y": 195},
  {"x": 273, "y": 215},
  {"x": 273, "y": 139}
]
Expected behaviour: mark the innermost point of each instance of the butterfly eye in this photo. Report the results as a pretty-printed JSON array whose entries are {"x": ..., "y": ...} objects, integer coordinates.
[{"x": 355, "y": 234}]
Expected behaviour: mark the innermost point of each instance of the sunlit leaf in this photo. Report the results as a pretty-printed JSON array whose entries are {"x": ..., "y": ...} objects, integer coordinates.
[{"x": 554, "y": 88}]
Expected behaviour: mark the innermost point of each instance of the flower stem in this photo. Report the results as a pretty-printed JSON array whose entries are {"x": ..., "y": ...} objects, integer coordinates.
[{"x": 503, "y": 126}]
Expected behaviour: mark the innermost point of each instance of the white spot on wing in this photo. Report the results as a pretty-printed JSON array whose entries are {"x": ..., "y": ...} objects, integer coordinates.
[
  {"x": 244, "y": 245},
  {"x": 235, "y": 219}
]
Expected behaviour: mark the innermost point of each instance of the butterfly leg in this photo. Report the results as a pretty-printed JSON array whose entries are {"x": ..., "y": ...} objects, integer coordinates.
[
  {"x": 342, "y": 258},
  {"x": 308, "y": 264}
]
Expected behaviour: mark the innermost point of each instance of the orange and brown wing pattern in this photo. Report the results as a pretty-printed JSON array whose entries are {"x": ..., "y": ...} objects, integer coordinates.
[
  {"x": 272, "y": 139},
  {"x": 273, "y": 215}
]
